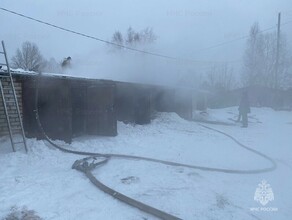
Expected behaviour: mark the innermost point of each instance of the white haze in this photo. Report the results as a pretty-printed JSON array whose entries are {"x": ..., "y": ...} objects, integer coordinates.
[
  {"x": 108, "y": 63},
  {"x": 183, "y": 28}
]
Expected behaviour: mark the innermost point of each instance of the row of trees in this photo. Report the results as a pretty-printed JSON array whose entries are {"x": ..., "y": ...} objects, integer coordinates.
[
  {"x": 134, "y": 38},
  {"x": 220, "y": 77},
  {"x": 259, "y": 66},
  {"x": 29, "y": 58},
  {"x": 259, "y": 60}
]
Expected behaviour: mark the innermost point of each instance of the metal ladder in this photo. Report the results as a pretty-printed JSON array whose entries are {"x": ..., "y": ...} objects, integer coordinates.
[{"x": 11, "y": 102}]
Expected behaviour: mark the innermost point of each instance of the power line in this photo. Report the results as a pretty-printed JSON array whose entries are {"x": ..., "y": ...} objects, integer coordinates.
[
  {"x": 105, "y": 41},
  {"x": 108, "y": 42},
  {"x": 85, "y": 35},
  {"x": 231, "y": 41},
  {"x": 239, "y": 38},
  {"x": 134, "y": 49}
]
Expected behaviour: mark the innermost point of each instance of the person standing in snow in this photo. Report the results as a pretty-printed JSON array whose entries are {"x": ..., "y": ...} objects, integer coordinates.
[
  {"x": 239, "y": 117},
  {"x": 244, "y": 109}
]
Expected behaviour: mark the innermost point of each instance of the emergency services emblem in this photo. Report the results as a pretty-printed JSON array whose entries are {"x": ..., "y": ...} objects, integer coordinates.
[{"x": 264, "y": 193}]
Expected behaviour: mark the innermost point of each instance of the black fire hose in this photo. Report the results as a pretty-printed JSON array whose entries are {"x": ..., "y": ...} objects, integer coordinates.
[
  {"x": 85, "y": 167},
  {"x": 82, "y": 165}
]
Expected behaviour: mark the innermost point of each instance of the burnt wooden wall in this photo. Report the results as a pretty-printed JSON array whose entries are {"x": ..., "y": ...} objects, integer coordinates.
[
  {"x": 137, "y": 103},
  {"x": 70, "y": 107},
  {"x": 54, "y": 105},
  {"x": 184, "y": 103},
  {"x": 133, "y": 103},
  {"x": 100, "y": 113},
  {"x": 175, "y": 100}
]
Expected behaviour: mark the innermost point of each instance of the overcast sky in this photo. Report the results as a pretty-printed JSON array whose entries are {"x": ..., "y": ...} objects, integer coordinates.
[{"x": 183, "y": 27}]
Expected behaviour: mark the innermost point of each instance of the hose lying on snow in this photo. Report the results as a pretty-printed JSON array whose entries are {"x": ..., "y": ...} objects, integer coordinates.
[{"x": 84, "y": 166}]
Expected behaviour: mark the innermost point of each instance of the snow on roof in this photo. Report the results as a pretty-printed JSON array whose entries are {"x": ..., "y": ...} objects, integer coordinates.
[{"x": 20, "y": 71}]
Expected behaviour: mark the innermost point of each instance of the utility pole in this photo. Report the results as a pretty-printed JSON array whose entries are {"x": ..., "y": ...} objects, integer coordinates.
[{"x": 278, "y": 51}]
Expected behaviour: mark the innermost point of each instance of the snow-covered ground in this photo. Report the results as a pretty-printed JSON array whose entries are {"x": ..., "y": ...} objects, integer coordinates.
[{"x": 43, "y": 180}]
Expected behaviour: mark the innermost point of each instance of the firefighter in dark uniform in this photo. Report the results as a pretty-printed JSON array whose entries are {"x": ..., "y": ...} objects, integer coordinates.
[
  {"x": 66, "y": 63},
  {"x": 244, "y": 109}
]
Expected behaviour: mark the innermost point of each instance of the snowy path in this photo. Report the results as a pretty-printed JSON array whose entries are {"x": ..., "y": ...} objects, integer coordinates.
[{"x": 44, "y": 181}]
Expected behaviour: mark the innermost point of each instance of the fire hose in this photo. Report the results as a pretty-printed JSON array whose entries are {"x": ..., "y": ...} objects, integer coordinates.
[{"x": 86, "y": 167}]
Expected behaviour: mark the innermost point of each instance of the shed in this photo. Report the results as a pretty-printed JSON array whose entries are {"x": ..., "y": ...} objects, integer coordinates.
[
  {"x": 69, "y": 107},
  {"x": 137, "y": 103},
  {"x": 175, "y": 99},
  {"x": 73, "y": 106},
  {"x": 133, "y": 103}
]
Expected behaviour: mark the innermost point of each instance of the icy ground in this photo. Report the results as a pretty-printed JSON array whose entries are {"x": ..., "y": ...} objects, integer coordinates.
[{"x": 43, "y": 180}]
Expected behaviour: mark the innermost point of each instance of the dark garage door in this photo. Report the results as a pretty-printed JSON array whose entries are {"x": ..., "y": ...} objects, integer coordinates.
[{"x": 100, "y": 114}]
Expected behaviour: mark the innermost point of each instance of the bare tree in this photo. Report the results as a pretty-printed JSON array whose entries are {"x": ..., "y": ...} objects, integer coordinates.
[
  {"x": 220, "y": 77},
  {"x": 130, "y": 36},
  {"x": 134, "y": 38},
  {"x": 28, "y": 58},
  {"x": 253, "y": 57},
  {"x": 118, "y": 39},
  {"x": 148, "y": 36},
  {"x": 287, "y": 79},
  {"x": 260, "y": 60},
  {"x": 285, "y": 64}
]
